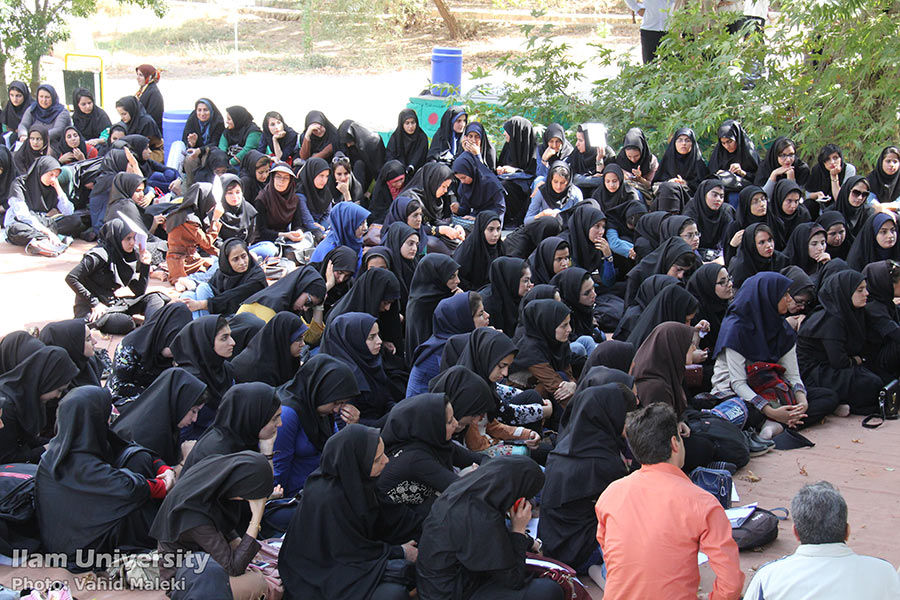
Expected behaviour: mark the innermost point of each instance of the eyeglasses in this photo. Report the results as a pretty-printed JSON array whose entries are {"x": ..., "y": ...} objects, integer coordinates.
[
  {"x": 691, "y": 235},
  {"x": 726, "y": 281},
  {"x": 800, "y": 302},
  {"x": 859, "y": 194},
  {"x": 791, "y": 155}
]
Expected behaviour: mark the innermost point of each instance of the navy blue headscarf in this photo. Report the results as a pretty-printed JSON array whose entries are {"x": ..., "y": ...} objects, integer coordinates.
[
  {"x": 346, "y": 218},
  {"x": 48, "y": 115},
  {"x": 451, "y": 317},
  {"x": 752, "y": 326}
]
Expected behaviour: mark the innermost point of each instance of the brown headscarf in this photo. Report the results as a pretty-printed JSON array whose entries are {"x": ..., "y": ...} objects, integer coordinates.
[
  {"x": 279, "y": 206},
  {"x": 658, "y": 367},
  {"x": 151, "y": 75}
]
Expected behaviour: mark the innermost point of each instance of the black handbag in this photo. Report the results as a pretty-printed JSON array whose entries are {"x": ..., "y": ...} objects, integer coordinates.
[{"x": 888, "y": 406}]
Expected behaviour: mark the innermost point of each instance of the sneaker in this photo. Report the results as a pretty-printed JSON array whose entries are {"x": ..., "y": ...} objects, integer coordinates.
[
  {"x": 723, "y": 466},
  {"x": 755, "y": 445},
  {"x": 89, "y": 235}
]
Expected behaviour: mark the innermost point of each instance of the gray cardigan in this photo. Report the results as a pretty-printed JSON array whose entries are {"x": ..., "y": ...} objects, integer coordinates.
[{"x": 63, "y": 120}]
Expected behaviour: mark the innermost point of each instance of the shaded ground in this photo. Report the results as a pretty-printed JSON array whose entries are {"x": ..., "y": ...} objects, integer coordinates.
[{"x": 862, "y": 463}]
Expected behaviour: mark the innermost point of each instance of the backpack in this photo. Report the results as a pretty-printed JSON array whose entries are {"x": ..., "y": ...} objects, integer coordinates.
[
  {"x": 758, "y": 529},
  {"x": 729, "y": 440},
  {"x": 717, "y": 482},
  {"x": 18, "y": 524},
  {"x": 766, "y": 379}
]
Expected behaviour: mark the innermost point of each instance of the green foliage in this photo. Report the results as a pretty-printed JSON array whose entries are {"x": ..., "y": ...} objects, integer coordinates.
[{"x": 826, "y": 72}]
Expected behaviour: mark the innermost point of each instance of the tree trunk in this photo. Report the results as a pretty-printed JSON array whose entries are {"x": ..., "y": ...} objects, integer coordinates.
[
  {"x": 3, "y": 60},
  {"x": 35, "y": 75},
  {"x": 449, "y": 19}
]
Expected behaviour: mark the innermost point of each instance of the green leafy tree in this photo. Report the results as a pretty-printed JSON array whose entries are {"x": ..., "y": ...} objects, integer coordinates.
[{"x": 42, "y": 23}]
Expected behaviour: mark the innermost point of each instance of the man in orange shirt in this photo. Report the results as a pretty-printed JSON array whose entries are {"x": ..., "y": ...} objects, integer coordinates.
[{"x": 652, "y": 524}]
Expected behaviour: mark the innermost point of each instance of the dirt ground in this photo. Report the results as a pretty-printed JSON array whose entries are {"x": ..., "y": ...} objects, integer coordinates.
[{"x": 863, "y": 463}]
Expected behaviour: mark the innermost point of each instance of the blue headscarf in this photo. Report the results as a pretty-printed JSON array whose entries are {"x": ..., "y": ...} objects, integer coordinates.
[
  {"x": 752, "y": 326},
  {"x": 346, "y": 218},
  {"x": 485, "y": 192},
  {"x": 451, "y": 317},
  {"x": 47, "y": 115}
]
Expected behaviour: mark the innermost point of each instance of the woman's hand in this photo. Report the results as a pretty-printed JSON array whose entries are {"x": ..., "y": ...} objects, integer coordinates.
[
  {"x": 267, "y": 446},
  {"x": 146, "y": 257},
  {"x": 505, "y": 169},
  {"x": 410, "y": 551},
  {"x": 78, "y": 154},
  {"x": 547, "y": 408},
  {"x": 683, "y": 430},
  {"x": 349, "y": 414},
  {"x": 519, "y": 517},
  {"x": 168, "y": 478},
  {"x": 534, "y": 440},
  {"x": 330, "y": 280},
  {"x": 795, "y": 321},
  {"x": 736, "y": 169},
  {"x": 548, "y": 154},
  {"x": 564, "y": 391},
  {"x": 277, "y": 492},
  {"x": 603, "y": 246},
  {"x": 257, "y": 508},
  {"x": 192, "y": 140},
  {"x": 736, "y": 239},
  {"x": 632, "y": 254},
  {"x": 786, "y": 414},
  {"x": 823, "y": 258},
  {"x": 195, "y": 305},
  {"x": 389, "y": 347},
  {"x": 294, "y": 236},
  {"x": 454, "y": 207},
  {"x": 699, "y": 356},
  {"x": 702, "y": 326}
]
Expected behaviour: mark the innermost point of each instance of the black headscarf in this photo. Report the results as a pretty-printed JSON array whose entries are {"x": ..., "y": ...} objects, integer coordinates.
[
  {"x": 321, "y": 380},
  {"x": 289, "y": 143},
  {"x": 267, "y": 358},
  {"x": 657, "y": 262},
  {"x": 408, "y": 149},
  {"x": 423, "y": 187},
  {"x": 11, "y": 115},
  {"x": 120, "y": 197},
  {"x": 152, "y": 419},
  {"x": 521, "y": 149},
  {"x": 399, "y": 211},
  {"x": 691, "y": 167},
  {"x": 797, "y": 250},
  {"x": 77, "y": 484},
  {"x": 192, "y": 350},
  {"x": 711, "y": 224},
  {"x": 226, "y": 278},
  {"x": 451, "y": 317},
  {"x": 330, "y": 137},
  {"x": 854, "y": 216},
  {"x": 674, "y": 225},
  {"x": 555, "y": 130},
  {"x": 783, "y": 225},
  {"x": 428, "y": 287},
  {"x": 158, "y": 333},
  {"x": 237, "y": 221},
  {"x": 195, "y": 204},
  {"x": 618, "y": 205},
  {"x": 49, "y": 368},
  {"x": 475, "y": 256},
  {"x": 7, "y": 164},
  {"x": 16, "y": 347},
  {"x": 648, "y": 290},
  {"x": 113, "y": 163},
  {"x": 69, "y": 335},
  {"x": 712, "y": 308},
  {"x": 89, "y": 125},
  {"x": 538, "y": 343},
  {"x": 837, "y": 318},
  {"x": 382, "y": 198},
  {"x": 671, "y": 198},
  {"x": 445, "y": 140},
  {"x": 647, "y": 228},
  {"x": 482, "y": 193},
  {"x": 522, "y": 242},
  {"x": 317, "y": 200},
  {"x": 745, "y": 154},
  {"x": 281, "y": 295},
  {"x": 569, "y": 283},
  {"x": 481, "y": 351},
  {"x": 419, "y": 423},
  {"x": 865, "y": 248},
  {"x": 541, "y": 260},
  {"x": 584, "y": 253},
  {"x": 371, "y": 289},
  {"x": 469, "y": 393},
  {"x": 204, "y": 496},
  {"x": 744, "y": 218},
  {"x": 820, "y": 176},
  {"x": 635, "y": 138},
  {"x": 341, "y": 258},
  {"x": 345, "y": 338},
  {"x": 833, "y": 266},
  {"x": 209, "y": 132},
  {"x": 357, "y": 189},
  {"x": 501, "y": 299},
  {"x": 243, "y": 327},
  {"x": 586, "y": 458},
  {"x": 123, "y": 264},
  {"x": 373, "y": 252},
  {"x": 367, "y": 146},
  {"x": 403, "y": 268},
  {"x": 243, "y": 126},
  {"x": 249, "y": 183},
  {"x": 486, "y": 150},
  {"x": 25, "y": 156},
  {"x": 882, "y": 315},
  {"x": 477, "y": 505},
  {"x": 770, "y": 163},
  {"x": 752, "y": 325},
  {"x": 748, "y": 262},
  {"x": 140, "y": 122},
  {"x": 673, "y": 303},
  {"x": 245, "y": 409},
  {"x": 885, "y": 187},
  {"x": 612, "y": 354},
  {"x": 338, "y": 542}
]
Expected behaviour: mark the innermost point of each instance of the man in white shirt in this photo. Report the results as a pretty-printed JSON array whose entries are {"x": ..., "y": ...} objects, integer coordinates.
[
  {"x": 655, "y": 15},
  {"x": 823, "y": 567}
]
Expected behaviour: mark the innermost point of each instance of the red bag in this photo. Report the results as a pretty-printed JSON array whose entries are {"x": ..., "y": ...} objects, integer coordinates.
[
  {"x": 561, "y": 573},
  {"x": 766, "y": 380},
  {"x": 268, "y": 555}
]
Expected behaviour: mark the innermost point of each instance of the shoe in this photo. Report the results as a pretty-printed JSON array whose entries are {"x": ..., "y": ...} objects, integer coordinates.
[
  {"x": 88, "y": 235},
  {"x": 723, "y": 466},
  {"x": 755, "y": 445},
  {"x": 762, "y": 440}
]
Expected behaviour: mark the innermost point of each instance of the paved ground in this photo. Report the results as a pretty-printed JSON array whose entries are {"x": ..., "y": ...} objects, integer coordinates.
[{"x": 862, "y": 463}]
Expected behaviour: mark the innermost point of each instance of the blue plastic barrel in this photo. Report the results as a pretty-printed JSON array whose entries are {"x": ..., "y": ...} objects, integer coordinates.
[
  {"x": 446, "y": 71},
  {"x": 173, "y": 127}
]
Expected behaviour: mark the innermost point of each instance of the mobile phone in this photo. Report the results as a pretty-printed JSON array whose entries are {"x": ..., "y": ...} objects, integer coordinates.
[
  {"x": 518, "y": 503},
  {"x": 824, "y": 199}
]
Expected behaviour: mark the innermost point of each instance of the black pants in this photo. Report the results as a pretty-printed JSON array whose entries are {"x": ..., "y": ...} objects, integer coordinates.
[
  {"x": 536, "y": 589},
  {"x": 757, "y": 24},
  {"x": 822, "y": 402},
  {"x": 20, "y": 233},
  {"x": 649, "y": 43},
  {"x": 118, "y": 319}
]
